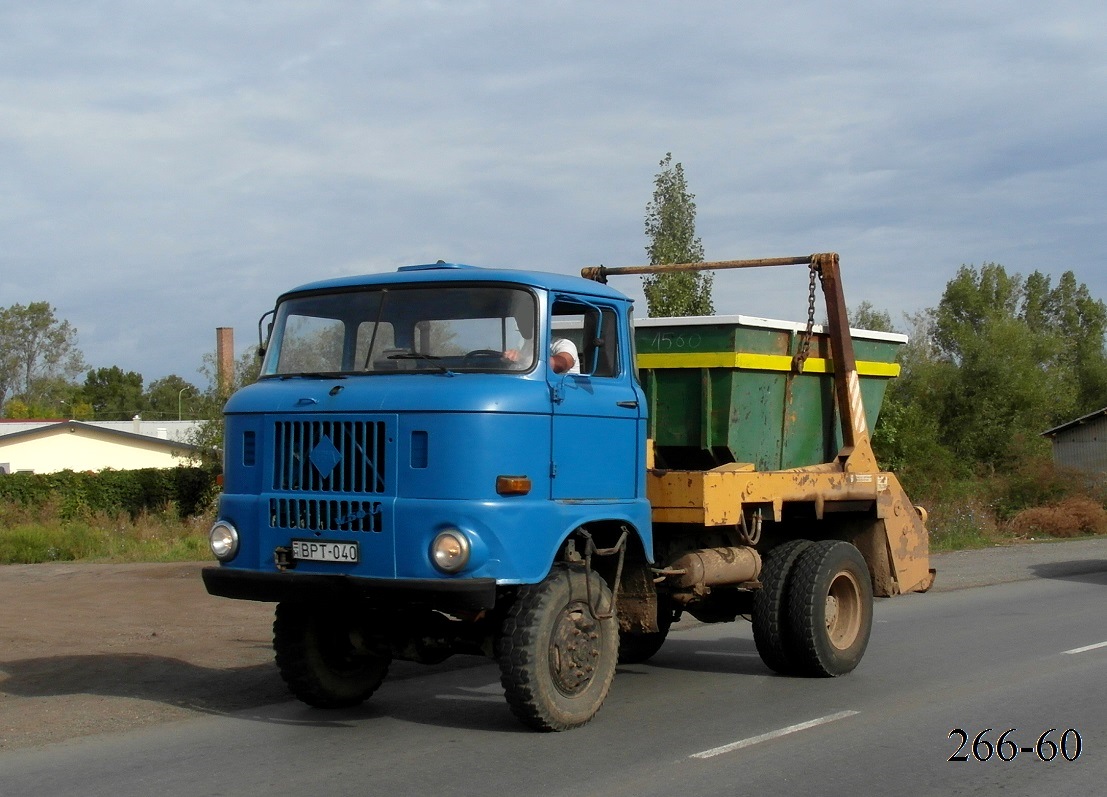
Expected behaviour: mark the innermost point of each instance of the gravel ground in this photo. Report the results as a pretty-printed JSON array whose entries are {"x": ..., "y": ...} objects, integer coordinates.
[
  {"x": 1054, "y": 559},
  {"x": 88, "y": 649}
]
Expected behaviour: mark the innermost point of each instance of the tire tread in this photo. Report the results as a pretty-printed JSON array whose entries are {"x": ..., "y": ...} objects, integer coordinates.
[{"x": 770, "y": 606}]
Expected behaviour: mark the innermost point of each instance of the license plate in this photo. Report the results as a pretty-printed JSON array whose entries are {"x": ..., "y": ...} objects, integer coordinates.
[{"x": 324, "y": 551}]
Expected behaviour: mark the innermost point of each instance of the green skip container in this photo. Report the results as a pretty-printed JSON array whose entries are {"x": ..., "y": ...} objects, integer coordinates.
[{"x": 724, "y": 389}]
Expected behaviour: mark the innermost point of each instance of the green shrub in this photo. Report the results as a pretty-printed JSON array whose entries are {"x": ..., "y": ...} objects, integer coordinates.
[
  {"x": 1037, "y": 482},
  {"x": 190, "y": 490},
  {"x": 962, "y": 523}
]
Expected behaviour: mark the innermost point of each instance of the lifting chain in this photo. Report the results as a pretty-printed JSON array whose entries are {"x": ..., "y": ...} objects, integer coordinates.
[{"x": 808, "y": 332}]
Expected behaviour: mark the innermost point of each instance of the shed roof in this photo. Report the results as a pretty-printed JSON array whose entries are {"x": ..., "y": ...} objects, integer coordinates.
[{"x": 1083, "y": 419}]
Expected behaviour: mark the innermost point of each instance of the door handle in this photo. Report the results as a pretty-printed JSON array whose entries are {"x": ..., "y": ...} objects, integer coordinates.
[{"x": 629, "y": 405}]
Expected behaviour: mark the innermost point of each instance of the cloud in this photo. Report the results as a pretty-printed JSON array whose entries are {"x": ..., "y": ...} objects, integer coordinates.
[{"x": 172, "y": 168}]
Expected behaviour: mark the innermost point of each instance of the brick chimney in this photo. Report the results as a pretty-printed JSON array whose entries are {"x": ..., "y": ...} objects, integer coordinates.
[{"x": 224, "y": 359}]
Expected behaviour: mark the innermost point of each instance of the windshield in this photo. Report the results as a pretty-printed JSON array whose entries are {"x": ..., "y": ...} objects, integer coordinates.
[{"x": 389, "y": 330}]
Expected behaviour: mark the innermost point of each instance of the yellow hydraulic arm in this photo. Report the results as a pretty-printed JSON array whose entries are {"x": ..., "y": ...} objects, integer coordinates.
[{"x": 895, "y": 543}]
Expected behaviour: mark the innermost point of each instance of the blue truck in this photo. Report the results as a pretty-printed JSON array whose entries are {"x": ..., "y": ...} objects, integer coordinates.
[{"x": 414, "y": 475}]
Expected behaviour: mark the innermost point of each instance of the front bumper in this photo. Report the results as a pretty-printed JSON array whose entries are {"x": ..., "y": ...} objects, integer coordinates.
[{"x": 472, "y": 594}]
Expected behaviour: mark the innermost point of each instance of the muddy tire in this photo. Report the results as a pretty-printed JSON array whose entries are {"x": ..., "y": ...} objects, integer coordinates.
[
  {"x": 637, "y": 648},
  {"x": 830, "y": 607},
  {"x": 556, "y": 659},
  {"x": 770, "y": 607},
  {"x": 324, "y": 658}
]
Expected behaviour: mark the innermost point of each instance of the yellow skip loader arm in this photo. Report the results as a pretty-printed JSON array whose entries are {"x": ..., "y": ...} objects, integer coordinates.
[{"x": 892, "y": 537}]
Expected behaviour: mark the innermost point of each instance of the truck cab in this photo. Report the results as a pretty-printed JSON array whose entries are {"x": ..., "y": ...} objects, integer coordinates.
[{"x": 409, "y": 458}]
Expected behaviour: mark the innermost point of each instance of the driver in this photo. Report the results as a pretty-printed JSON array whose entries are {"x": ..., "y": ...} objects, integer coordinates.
[
  {"x": 563, "y": 355},
  {"x": 563, "y": 352}
]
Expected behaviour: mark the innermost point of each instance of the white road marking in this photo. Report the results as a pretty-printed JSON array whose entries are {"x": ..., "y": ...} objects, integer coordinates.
[
  {"x": 491, "y": 689},
  {"x": 492, "y": 693},
  {"x": 729, "y": 748},
  {"x": 1085, "y": 649}
]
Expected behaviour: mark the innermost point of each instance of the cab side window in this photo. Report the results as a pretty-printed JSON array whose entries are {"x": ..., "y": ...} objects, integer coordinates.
[{"x": 594, "y": 331}]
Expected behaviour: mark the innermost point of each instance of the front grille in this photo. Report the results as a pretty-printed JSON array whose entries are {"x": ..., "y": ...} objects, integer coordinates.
[
  {"x": 329, "y": 456},
  {"x": 310, "y": 515}
]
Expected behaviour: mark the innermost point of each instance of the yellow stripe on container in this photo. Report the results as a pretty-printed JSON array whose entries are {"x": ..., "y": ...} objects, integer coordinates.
[{"x": 758, "y": 362}]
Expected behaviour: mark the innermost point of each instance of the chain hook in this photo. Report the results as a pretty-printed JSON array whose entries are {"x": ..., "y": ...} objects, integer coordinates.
[{"x": 808, "y": 332}]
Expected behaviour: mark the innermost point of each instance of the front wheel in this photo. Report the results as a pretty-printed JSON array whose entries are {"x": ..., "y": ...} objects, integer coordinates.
[
  {"x": 325, "y": 658},
  {"x": 556, "y": 655},
  {"x": 830, "y": 605}
]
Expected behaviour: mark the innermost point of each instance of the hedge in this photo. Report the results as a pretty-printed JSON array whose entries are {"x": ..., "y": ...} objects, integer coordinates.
[{"x": 190, "y": 490}]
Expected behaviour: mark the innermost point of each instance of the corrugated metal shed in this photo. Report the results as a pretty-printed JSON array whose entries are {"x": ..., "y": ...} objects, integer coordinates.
[{"x": 1081, "y": 444}]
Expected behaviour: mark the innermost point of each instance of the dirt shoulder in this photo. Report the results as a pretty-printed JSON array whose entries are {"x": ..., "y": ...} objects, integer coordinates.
[{"x": 88, "y": 649}]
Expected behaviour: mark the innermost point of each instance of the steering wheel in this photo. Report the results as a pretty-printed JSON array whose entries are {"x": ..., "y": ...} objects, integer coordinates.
[{"x": 485, "y": 354}]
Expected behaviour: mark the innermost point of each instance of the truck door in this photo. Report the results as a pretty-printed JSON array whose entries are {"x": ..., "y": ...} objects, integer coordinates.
[{"x": 596, "y": 414}]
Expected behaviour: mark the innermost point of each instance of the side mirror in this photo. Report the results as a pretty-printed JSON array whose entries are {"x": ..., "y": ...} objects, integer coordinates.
[{"x": 263, "y": 338}]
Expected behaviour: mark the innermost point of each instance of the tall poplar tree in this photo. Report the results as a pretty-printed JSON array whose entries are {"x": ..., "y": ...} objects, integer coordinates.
[{"x": 671, "y": 228}]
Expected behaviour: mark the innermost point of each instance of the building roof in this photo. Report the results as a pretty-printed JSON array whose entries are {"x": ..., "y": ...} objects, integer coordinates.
[
  {"x": 180, "y": 431},
  {"x": 44, "y": 429},
  {"x": 1083, "y": 419}
]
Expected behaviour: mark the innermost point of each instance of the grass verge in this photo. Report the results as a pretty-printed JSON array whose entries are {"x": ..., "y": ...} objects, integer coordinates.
[{"x": 31, "y": 536}]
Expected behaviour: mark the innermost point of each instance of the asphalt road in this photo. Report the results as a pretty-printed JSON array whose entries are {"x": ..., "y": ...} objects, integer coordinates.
[{"x": 704, "y": 717}]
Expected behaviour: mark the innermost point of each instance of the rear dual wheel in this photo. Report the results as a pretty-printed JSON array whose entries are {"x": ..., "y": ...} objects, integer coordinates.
[
  {"x": 830, "y": 609},
  {"x": 770, "y": 606},
  {"x": 813, "y": 615}
]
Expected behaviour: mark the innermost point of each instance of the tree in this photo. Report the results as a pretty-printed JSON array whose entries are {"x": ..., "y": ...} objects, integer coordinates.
[
  {"x": 1081, "y": 323},
  {"x": 865, "y": 316},
  {"x": 115, "y": 395},
  {"x": 171, "y": 398},
  {"x": 35, "y": 345},
  {"x": 671, "y": 227},
  {"x": 908, "y": 438},
  {"x": 998, "y": 361},
  {"x": 51, "y": 397}
]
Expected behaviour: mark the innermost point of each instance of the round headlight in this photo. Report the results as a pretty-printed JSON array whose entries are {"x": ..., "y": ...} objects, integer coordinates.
[
  {"x": 450, "y": 551},
  {"x": 223, "y": 539}
]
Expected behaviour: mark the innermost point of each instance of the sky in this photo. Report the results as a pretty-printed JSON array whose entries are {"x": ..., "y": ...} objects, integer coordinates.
[{"x": 169, "y": 168}]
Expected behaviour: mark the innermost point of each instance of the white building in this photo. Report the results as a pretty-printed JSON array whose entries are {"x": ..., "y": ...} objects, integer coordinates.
[{"x": 51, "y": 446}]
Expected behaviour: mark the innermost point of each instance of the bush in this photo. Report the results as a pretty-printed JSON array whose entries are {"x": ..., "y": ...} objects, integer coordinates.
[
  {"x": 1072, "y": 517},
  {"x": 962, "y": 523},
  {"x": 1037, "y": 482},
  {"x": 150, "y": 490}
]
